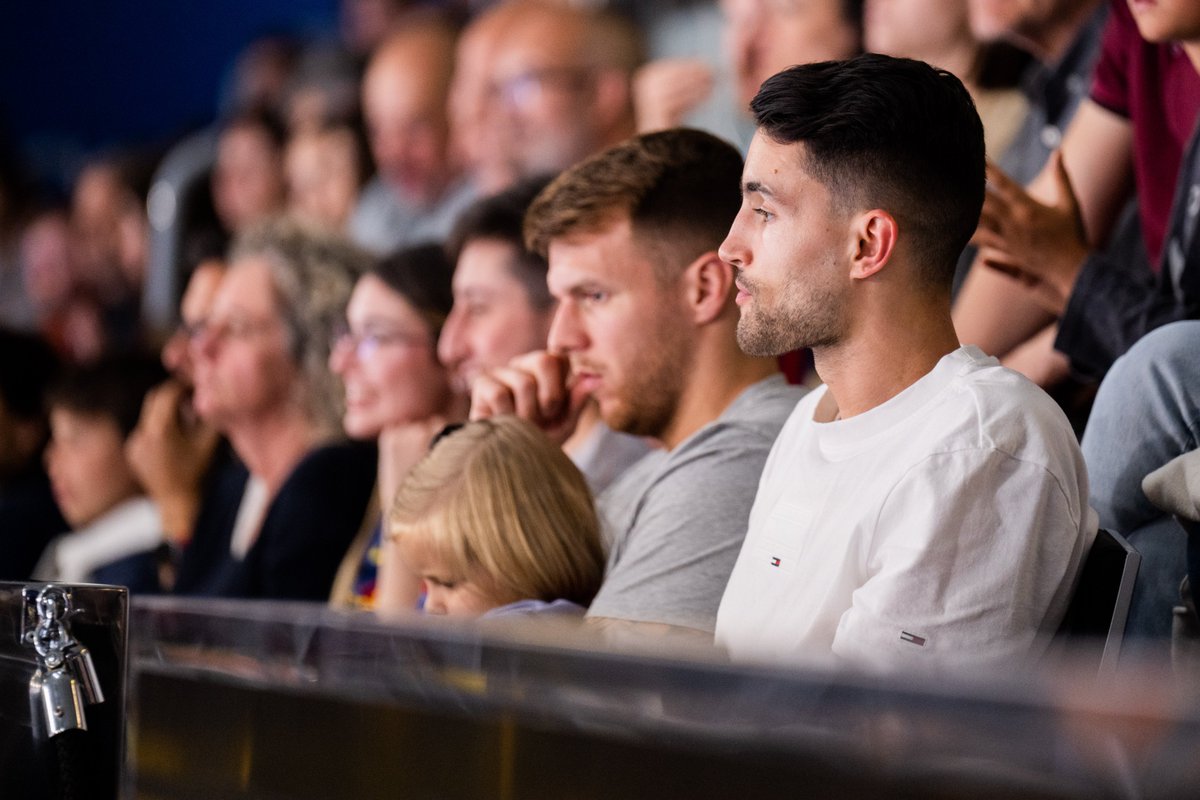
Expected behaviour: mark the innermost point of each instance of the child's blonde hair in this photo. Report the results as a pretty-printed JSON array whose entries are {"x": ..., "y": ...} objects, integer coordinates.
[{"x": 497, "y": 498}]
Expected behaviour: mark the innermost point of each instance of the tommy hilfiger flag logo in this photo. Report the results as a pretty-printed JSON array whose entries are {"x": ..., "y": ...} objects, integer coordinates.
[
  {"x": 774, "y": 561},
  {"x": 912, "y": 638}
]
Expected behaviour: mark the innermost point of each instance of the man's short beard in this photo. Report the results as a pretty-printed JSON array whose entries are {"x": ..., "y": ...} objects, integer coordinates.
[{"x": 813, "y": 321}]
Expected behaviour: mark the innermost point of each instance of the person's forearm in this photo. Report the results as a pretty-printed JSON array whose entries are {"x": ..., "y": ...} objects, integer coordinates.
[{"x": 178, "y": 512}]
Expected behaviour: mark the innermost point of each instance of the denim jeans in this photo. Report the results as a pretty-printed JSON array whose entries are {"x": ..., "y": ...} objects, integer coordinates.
[{"x": 1147, "y": 412}]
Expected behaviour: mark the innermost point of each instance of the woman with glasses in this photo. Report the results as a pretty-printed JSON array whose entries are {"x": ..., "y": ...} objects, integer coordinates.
[
  {"x": 396, "y": 390},
  {"x": 262, "y": 379}
]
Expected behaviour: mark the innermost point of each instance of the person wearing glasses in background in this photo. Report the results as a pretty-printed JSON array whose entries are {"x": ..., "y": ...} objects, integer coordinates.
[
  {"x": 560, "y": 85},
  {"x": 396, "y": 392},
  {"x": 260, "y": 364}
]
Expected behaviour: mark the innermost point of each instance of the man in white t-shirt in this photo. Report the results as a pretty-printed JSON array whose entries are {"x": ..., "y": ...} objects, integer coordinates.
[{"x": 926, "y": 508}]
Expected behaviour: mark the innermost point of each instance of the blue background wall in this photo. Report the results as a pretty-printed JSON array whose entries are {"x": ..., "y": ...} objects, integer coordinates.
[{"x": 78, "y": 75}]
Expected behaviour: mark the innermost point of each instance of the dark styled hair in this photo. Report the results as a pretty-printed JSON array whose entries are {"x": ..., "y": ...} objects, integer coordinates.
[
  {"x": 421, "y": 275},
  {"x": 890, "y": 133},
  {"x": 679, "y": 189},
  {"x": 501, "y": 218},
  {"x": 112, "y": 387}
]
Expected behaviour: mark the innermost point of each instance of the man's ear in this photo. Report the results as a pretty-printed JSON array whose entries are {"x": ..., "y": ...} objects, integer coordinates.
[
  {"x": 875, "y": 234},
  {"x": 708, "y": 287}
]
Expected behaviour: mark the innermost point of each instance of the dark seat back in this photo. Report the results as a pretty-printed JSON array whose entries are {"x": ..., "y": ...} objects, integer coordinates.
[{"x": 1100, "y": 604}]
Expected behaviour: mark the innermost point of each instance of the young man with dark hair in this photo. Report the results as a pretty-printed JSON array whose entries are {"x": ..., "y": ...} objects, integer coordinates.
[
  {"x": 645, "y": 329},
  {"x": 502, "y": 309},
  {"x": 926, "y": 507}
]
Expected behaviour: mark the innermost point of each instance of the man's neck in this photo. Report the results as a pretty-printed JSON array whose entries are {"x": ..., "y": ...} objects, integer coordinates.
[
  {"x": 717, "y": 375},
  {"x": 879, "y": 362}
]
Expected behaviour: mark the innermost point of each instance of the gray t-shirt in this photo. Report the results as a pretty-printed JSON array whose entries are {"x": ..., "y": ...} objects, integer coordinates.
[
  {"x": 676, "y": 519},
  {"x": 606, "y": 454}
]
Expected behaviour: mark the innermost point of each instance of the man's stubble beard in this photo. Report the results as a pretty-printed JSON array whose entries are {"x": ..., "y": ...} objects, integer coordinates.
[{"x": 798, "y": 321}]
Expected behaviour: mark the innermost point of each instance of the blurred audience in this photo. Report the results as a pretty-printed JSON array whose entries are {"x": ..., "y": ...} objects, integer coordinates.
[
  {"x": 115, "y": 529},
  {"x": 262, "y": 379},
  {"x": 612, "y": 330},
  {"x": 325, "y": 169},
  {"x": 172, "y": 451},
  {"x": 247, "y": 179},
  {"x": 396, "y": 390},
  {"x": 502, "y": 309},
  {"x": 496, "y": 521},
  {"x": 471, "y": 137},
  {"x": 48, "y": 270},
  {"x": 1131, "y": 133},
  {"x": 1064, "y": 37},
  {"x": 939, "y": 33},
  {"x": 760, "y": 38},
  {"x": 418, "y": 188},
  {"x": 16, "y": 308},
  {"x": 559, "y": 86},
  {"x": 29, "y": 517}
]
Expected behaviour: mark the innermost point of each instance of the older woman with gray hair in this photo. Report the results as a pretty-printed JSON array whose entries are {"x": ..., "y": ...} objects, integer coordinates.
[{"x": 262, "y": 379}]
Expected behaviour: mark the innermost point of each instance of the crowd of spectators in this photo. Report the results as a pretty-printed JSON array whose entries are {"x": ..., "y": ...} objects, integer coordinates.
[{"x": 473, "y": 317}]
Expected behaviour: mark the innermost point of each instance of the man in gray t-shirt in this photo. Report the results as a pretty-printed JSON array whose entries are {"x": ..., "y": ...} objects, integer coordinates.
[
  {"x": 675, "y": 519},
  {"x": 645, "y": 326}
]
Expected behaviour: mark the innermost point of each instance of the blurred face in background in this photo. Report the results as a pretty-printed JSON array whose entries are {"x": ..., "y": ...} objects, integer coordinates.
[
  {"x": 1020, "y": 20},
  {"x": 87, "y": 466},
  {"x": 541, "y": 102},
  {"x": 247, "y": 180},
  {"x": 244, "y": 370},
  {"x": 194, "y": 309},
  {"x": 96, "y": 211},
  {"x": 322, "y": 176},
  {"x": 1167, "y": 20},
  {"x": 404, "y": 102},
  {"x": 763, "y": 37},
  {"x": 493, "y": 319},
  {"x": 46, "y": 257},
  {"x": 387, "y": 362},
  {"x": 918, "y": 29},
  {"x": 467, "y": 104}
]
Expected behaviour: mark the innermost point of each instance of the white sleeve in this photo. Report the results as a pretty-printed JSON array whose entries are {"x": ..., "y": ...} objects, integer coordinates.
[{"x": 971, "y": 561}]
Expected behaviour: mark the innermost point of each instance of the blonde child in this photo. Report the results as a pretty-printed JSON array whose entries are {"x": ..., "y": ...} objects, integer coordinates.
[{"x": 496, "y": 519}]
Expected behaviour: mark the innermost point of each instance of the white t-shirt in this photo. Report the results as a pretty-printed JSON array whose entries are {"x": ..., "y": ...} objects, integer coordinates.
[{"x": 945, "y": 527}]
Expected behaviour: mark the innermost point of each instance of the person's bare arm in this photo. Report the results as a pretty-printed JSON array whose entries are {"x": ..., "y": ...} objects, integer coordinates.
[
  {"x": 1037, "y": 359},
  {"x": 1097, "y": 152},
  {"x": 998, "y": 312}
]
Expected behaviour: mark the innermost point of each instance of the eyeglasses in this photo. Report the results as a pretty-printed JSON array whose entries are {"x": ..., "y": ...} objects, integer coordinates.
[
  {"x": 234, "y": 328},
  {"x": 367, "y": 343},
  {"x": 522, "y": 89}
]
